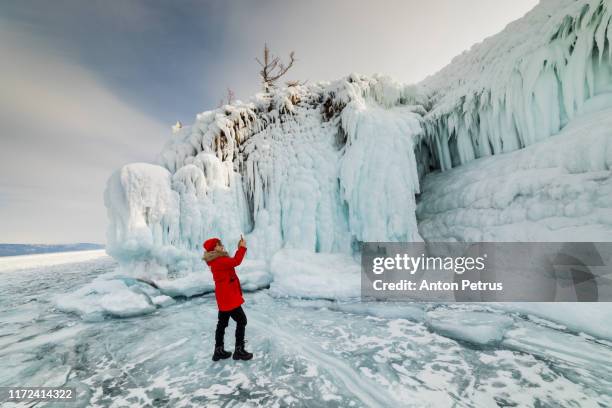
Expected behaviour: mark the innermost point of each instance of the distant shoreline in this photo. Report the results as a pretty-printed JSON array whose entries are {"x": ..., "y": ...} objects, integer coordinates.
[
  {"x": 33, "y": 249},
  {"x": 29, "y": 261}
]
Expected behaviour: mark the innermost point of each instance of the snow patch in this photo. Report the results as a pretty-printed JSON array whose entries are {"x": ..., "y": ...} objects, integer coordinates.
[
  {"x": 104, "y": 297},
  {"x": 300, "y": 273},
  {"x": 474, "y": 327}
]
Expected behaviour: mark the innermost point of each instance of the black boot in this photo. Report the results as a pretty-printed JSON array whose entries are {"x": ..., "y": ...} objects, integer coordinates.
[
  {"x": 220, "y": 354},
  {"x": 241, "y": 354}
]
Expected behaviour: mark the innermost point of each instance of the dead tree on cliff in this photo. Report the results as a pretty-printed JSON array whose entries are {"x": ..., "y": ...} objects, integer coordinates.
[
  {"x": 229, "y": 98},
  {"x": 272, "y": 68}
]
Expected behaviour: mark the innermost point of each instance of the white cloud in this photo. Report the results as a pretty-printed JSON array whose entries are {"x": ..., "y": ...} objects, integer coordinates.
[{"x": 63, "y": 132}]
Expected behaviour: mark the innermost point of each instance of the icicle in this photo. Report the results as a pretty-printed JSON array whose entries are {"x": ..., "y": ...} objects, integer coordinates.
[{"x": 523, "y": 84}]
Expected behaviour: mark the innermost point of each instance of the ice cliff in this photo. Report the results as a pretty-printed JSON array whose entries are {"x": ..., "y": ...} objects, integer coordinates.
[
  {"x": 510, "y": 141},
  {"x": 305, "y": 167}
]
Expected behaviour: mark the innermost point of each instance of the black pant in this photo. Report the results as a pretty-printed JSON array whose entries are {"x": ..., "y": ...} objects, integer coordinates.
[{"x": 241, "y": 321}]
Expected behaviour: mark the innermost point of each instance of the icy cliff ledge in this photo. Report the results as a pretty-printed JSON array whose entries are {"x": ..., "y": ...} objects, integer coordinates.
[
  {"x": 556, "y": 190},
  {"x": 326, "y": 166},
  {"x": 294, "y": 168},
  {"x": 522, "y": 85},
  {"x": 158, "y": 219}
]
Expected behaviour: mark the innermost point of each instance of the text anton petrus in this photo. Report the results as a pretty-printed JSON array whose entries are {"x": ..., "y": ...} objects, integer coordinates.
[{"x": 487, "y": 271}]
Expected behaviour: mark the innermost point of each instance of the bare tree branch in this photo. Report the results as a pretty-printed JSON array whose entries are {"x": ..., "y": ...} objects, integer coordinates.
[
  {"x": 229, "y": 98},
  {"x": 273, "y": 68}
]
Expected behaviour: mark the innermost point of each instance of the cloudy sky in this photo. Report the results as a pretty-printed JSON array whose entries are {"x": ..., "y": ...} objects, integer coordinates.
[{"x": 87, "y": 86}]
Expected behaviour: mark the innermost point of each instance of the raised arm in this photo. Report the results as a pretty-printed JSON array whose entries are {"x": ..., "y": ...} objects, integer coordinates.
[{"x": 236, "y": 260}]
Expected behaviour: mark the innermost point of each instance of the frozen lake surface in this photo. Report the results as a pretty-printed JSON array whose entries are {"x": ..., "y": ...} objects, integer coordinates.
[{"x": 307, "y": 352}]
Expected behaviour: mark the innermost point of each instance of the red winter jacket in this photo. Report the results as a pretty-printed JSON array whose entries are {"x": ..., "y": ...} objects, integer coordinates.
[{"x": 227, "y": 285}]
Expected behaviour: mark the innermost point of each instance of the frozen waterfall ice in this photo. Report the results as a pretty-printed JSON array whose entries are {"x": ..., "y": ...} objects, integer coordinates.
[
  {"x": 509, "y": 142},
  {"x": 306, "y": 167}
]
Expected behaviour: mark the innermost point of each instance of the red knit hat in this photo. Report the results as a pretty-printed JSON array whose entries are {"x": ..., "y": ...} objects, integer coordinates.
[{"x": 210, "y": 244}]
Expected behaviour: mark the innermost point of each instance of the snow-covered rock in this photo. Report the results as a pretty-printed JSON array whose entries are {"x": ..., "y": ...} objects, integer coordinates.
[
  {"x": 474, "y": 327},
  {"x": 106, "y": 297},
  {"x": 302, "y": 274}
]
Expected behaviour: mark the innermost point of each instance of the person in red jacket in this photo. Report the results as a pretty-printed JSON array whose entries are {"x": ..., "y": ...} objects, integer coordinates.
[{"x": 228, "y": 294}]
